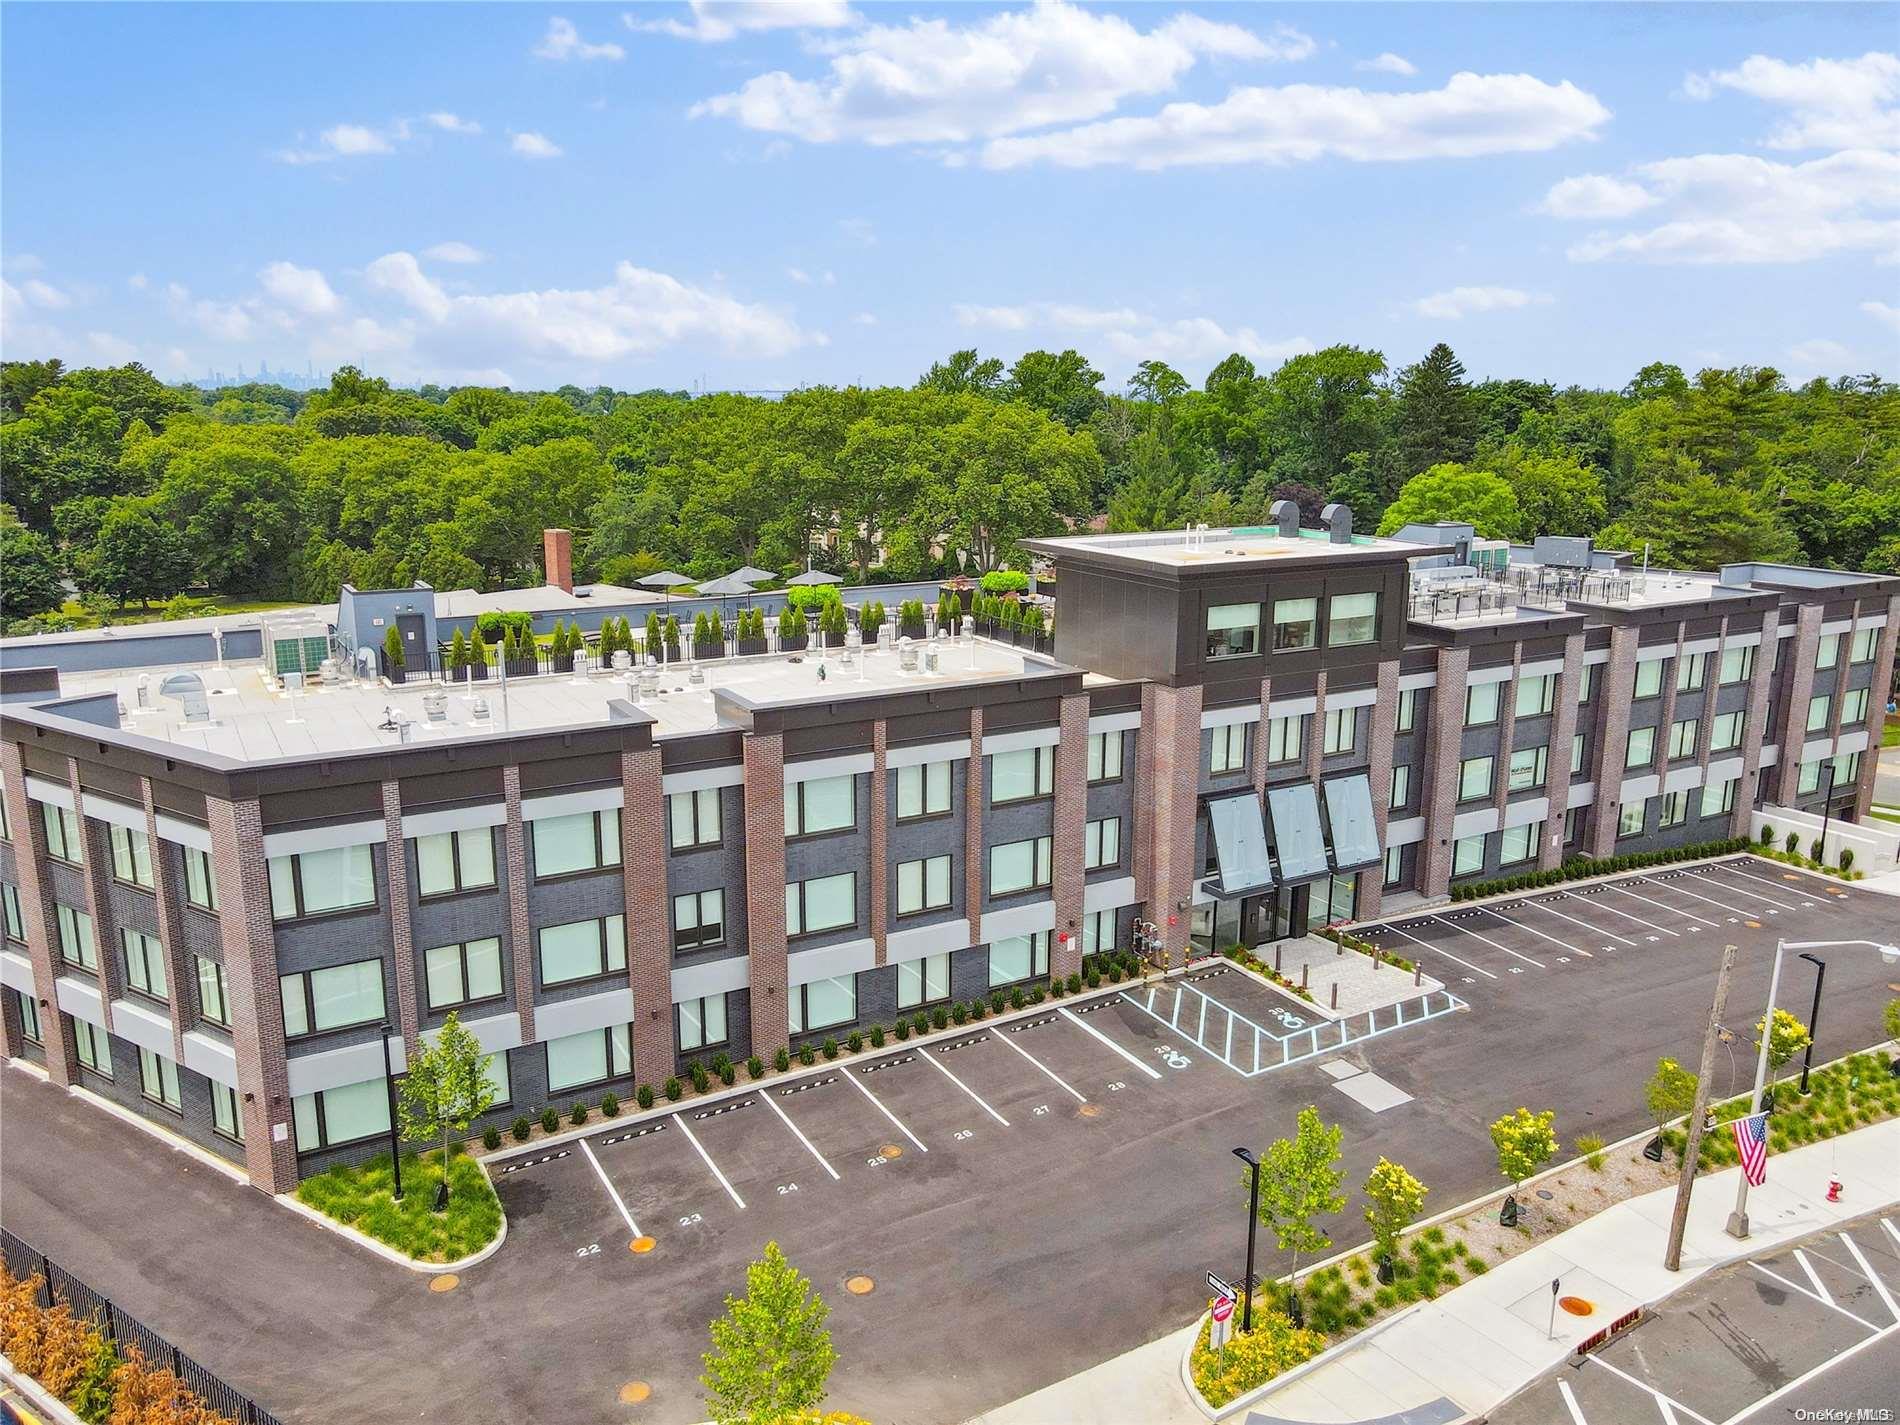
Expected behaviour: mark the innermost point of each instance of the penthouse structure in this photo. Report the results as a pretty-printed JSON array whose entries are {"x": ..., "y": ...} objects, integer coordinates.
[{"x": 230, "y": 891}]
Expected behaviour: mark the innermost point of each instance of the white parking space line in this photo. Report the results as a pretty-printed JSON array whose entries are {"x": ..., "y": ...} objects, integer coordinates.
[
  {"x": 1663, "y": 1402},
  {"x": 1801, "y": 1380},
  {"x": 1736, "y": 890},
  {"x": 1612, "y": 910},
  {"x": 1570, "y": 1403},
  {"x": 852, "y": 1079},
  {"x": 1661, "y": 905},
  {"x": 1828, "y": 1302},
  {"x": 930, "y": 1056},
  {"x": 1892, "y": 1231},
  {"x": 1593, "y": 929},
  {"x": 1815, "y": 896},
  {"x": 606, "y": 1182},
  {"x": 1489, "y": 941},
  {"x": 1801, "y": 1259},
  {"x": 1446, "y": 953},
  {"x": 707, "y": 1159},
  {"x": 785, "y": 1118},
  {"x": 1090, "y": 1029},
  {"x": 1005, "y": 1037},
  {"x": 1697, "y": 896},
  {"x": 1879, "y": 1286},
  {"x": 1560, "y": 944}
]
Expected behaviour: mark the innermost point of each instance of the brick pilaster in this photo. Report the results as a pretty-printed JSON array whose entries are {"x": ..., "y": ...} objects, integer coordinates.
[
  {"x": 649, "y": 924},
  {"x": 1884, "y": 652},
  {"x": 1170, "y": 768},
  {"x": 1316, "y": 728},
  {"x": 179, "y": 972},
  {"x": 1507, "y": 734},
  {"x": 1071, "y": 819},
  {"x": 1439, "y": 800},
  {"x": 1615, "y": 685},
  {"x": 36, "y": 910},
  {"x": 98, "y": 899},
  {"x": 1803, "y": 648},
  {"x": 1260, "y": 743},
  {"x": 1563, "y": 732},
  {"x": 257, "y": 1009},
  {"x": 1761, "y": 688},
  {"x": 765, "y": 890},
  {"x": 1380, "y": 739},
  {"x": 402, "y": 935},
  {"x": 1666, "y": 721},
  {"x": 520, "y": 934},
  {"x": 973, "y": 796},
  {"x": 880, "y": 837}
]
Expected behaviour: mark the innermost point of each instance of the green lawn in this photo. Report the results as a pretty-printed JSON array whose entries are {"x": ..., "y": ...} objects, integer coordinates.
[
  {"x": 360, "y": 1197},
  {"x": 202, "y": 608},
  {"x": 1890, "y": 733}
]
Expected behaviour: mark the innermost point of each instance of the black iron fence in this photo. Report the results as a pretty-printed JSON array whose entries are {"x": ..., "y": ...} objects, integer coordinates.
[{"x": 126, "y": 1331}]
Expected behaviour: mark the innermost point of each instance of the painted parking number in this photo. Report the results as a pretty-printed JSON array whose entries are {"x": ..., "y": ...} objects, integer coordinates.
[
  {"x": 690, "y": 1218},
  {"x": 1039, "y": 1110},
  {"x": 784, "y": 1188},
  {"x": 963, "y": 1133},
  {"x": 1117, "y": 1086},
  {"x": 1172, "y": 1056},
  {"x": 592, "y": 1249}
]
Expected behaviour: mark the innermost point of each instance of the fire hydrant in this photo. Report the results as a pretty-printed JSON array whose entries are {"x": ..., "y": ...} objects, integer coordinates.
[{"x": 1833, "y": 1189}]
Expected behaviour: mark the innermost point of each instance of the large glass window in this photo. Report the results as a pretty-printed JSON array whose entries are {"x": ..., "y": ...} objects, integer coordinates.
[
  {"x": 1536, "y": 696},
  {"x": 1682, "y": 738},
  {"x": 1519, "y": 843},
  {"x": 1401, "y": 786},
  {"x": 1407, "y": 718},
  {"x": 1820, "y": 712},
  {"x": 585, "y": 841},
  {"x": 341, "y": 1115},
  {"x": 1692, "y": 669},
  {"x": 1675, "y": 809},
  {"x": 1351, "y": 619},
  {"x": 463, "y": 974},
  {"x": 1579, "y": 766},
  {"x": 144, "y": 963},
  {"x": 923, "y": 885},
  {"x": 1528, "y": 768},
  {"x": 923, "y": 981},
  {"x": 214, "y": 996},
  {"x": 1631, "y": 816},
  {"x": 822, "y": 903},
  {"x": 1481, "y": 703},
  {"x": 821, "y": 804},
  {"x": 318, "y": 882},
  {"x": 1286, "y": 738},
  {"x": 225, "y": 1118},
  {"x": 1718, "y": 798},
  {"x": 158, "y": 1080},
  {"x": 1829, "y": 652},
  {"x": 1726, "y": 732},
  {"x": 923, "y": 790},
  {"x": 92, "y": 1045},
  {"x": 583, "y": 949},
  {"x": 1809, "y": 778},
  {"x": 822, "y": 1004},
  {"x": 1863, "y": 646},
  {"x": 692, "y": 818},
  {"x": 1467, "y": 856},
  {"x": 76, "y": 945},
  {"x": 1105, "y": 756},
  {"x": 1853, "y": 706},
  {"x": 1098, "y": 931},
  {"x": 1102, "y": 844},
  {"x": 699, "y": 920},
  {"x": 1342, "y": 730},
  {"x": 1738, "y": 664},
  {"x": 63, "y": 841},
  {"x": 701, "y": 1022},
  {"x": 1640, "y": 750},
  {"x": 131, "y": 856},
  {"x": 1023, "y": 774},
  {"x": 1295, "y": 624},
  {"x": 1227, "y": 747},
  {"x": 1021, "y": 957},
  {"x": 453, "y": 861},
  {"x": 333, "y": 998},
  {"x": 200, "y": 889},
  {"x": 1474, "y": 779},
  {"x": 10, "y": 905},
  {"x": 1394, "y": 866},
  {"x": 6, "y": 825},
  {"x": 591, "y": 1057},
  {"x": 1020, "y": 865},
  {"x": 1649, "y": 677},
  {"x": 1233, "y": 630}
]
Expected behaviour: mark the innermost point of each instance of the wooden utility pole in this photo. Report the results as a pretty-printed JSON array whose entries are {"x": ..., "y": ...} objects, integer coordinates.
[{"x": 1692, "y": 1149}]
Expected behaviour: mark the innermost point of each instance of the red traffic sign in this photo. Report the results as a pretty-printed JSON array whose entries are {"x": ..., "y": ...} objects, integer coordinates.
[{"x": 1223, "y": 1308}]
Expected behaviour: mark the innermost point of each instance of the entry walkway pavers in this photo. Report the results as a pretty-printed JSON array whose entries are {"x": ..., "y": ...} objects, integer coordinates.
[{"x": 1363, "y": 982}]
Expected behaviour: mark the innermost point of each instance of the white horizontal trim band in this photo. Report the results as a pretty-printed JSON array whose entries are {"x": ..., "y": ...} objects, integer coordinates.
[
  {"x": 919, "y": 754},
  {"x": 326, "y": 838}
]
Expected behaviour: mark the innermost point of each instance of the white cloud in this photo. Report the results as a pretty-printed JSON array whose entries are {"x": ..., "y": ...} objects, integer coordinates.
[
  {"x": 859, "y": 231},
  {"x": 533, "y": 145},
  {"x": 457, "y": 252},
  {"x": 1592, "y": 195},
  {"x": 1131, "y": 334},
  {"x": 1831, "y": 103},
  {"x": 302, "y": 289},
  {"x": 864, "y": 319},
  {"x": 221, "y": 321},
  {"x": 1884, "y": 312},
  {"x": 799, "y": 275},
  {"x": 400, "y": 275},
  {"x": 453, "y": 123},
  {"x": 347, "y": 141},
  {"x": 1721, "y": 208},
  {"x": 1458, "y": 302},
  {"x": 935, "y": 82},
  {"x": 44, "y": 294},
  {"x": 138, "y": 282},
  {"x": 1820, "y": 357},
  {"x": 1473, "y": 114},
  {"x": 563, "y": 42},
  {"x": 21, "y": 262},
  {"x": 715, "y": 21},
  {"x": 1387, "y": 63},
  {"x": 112, "y": 350}
]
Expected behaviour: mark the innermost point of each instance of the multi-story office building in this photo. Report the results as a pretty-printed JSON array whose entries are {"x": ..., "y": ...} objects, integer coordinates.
[{"x": 219, "y": 886}]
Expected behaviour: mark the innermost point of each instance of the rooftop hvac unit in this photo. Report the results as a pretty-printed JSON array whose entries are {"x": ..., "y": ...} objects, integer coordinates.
[
  {"x": 189, "y": 689},
  {"x": 435, "y": 706}
]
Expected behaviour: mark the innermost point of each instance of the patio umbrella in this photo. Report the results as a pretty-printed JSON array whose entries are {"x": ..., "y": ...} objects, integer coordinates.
[
  {"x": 811, "y": 577},
  {"x": 752, "y": 574},
  {"x": 727, "y": 588},
  {"x": 665, "y": 580}
]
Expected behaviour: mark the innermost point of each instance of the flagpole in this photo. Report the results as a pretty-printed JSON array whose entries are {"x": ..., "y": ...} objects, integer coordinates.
[{"x": 1738, "y": 1219}]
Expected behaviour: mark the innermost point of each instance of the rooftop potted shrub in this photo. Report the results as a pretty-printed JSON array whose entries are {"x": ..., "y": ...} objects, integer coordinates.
[
  {"x": 709, "y": 637},
  {"x": 655, "y": 641},
  {"x": 910, "y": 618},
  {"x": 457, "y": 659},
  {"x": 833, "y": 624},
  {"x": 477, "y": 657},
  {"x": 791, "y": 630},
  {"x": 960, "y": 590},
  {"x": 750, "y": 635},
  {"x": 672, "y": 638},
  {"x": 870, "y": 620},
  {"x": 392, "y": 655}
]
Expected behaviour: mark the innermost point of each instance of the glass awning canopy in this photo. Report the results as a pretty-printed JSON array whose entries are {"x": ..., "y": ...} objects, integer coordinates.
[{"x": 1240, "y": 846}]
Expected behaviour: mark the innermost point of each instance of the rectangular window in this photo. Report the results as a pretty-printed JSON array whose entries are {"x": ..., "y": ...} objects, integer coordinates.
[
  {"x": 214, "y": 996},
  {"x": 591, "y": 1057},
  {"x": 1474, "y": 779},
  {"x": 1738, "y": 664},
  {"x": 1098, "y": 931},
  {"x": 1517, "y": 844},
  {"x": 1536, "y": 696},
  {"x": 1233, "y": 630},
  {"x": 823, "y": 1004},
  {"x": 1587, "y": 682},
  {"x": 1682, "y": 738},
  {"x": 1467, "y": 856},
  {"x": 702, "y": 1022},
  {"x": 1408, "y": 710},
  {"x": 76, "y": 945},
  {"x": 158, "y": 1080},
  {"x": 454, "y": 861},
  {"x": 1829, "y": 652},
  {"x": 583, "y": 949},
  {"x": 63, "y": 841},
  {"x": 1528, "y": 767},
  {"x": 1573, "y": 826},
  {"x": 923, "y": 885},
  {"x": 463, "y": 974},
  {"x": 1105, "y": 756},
  {"x": 923, "y": 981},
  {"x": 1846, "y": 769},
  {"x": 1820, "y": 711},
  {"x": 1286, "y": 738},
  {"x": 1862, "y": 648},
  {"x": 30, "y": 1020},
  {"x": 1102, "y": 844},
  {"x": 699, "y": 920},
  {"x": 144, "y": 963},
  {"x": 1401, "y": 786},
  {"x": 1394, "y": 865},
  {"x": 692, "y": 818},
  {"x": 585, "y": 841},
  {"x": 225, "y": 1118},
  {"x": 200, "y": 889},
  {"x": 1342, "y": 730},
  {"x": 1022, "y": 775},
  {"x": 1481, "y": 703},
  {"x": 1020, "y": 865},
  {"x": 1021, "y": 957},
  {"x": 821, "y": 804},
  {"x": 1227, "y": 748},
  {"x": 1295, "y": 624},
  {"x": 1640, "y": 750},
  {"x": 348, "y": 1114},
  {"x": 1649, "y": 677},
  {"x": 1630, "y": 818},
  {"x": 923, "y": 791},
  {"x": 6, "y": 826},
  {"x": 823, "y": 903},
  {"x": 92, "y": 1045},
  {"x": 131, "y": 856},
  {"x": 1810, "y": 778},
  {"x": 1853, "y": 706},
  {"x": 318, "y": 882},
  {"x": 334, "y": 998},
  {"x": 1726, "y": 732},
  {"x": 1691, "y": 670},
  {"x": 1675, "y": 809},
  {"x": 1352, "y": 619},
  {"x": 1718, "y": 798},
  {"x": 10, "y": 904},
  {"x": 1578, "y": 766}
]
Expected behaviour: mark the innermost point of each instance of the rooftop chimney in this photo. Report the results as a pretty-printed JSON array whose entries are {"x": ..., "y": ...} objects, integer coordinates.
[{"x": 557, "y": 554}]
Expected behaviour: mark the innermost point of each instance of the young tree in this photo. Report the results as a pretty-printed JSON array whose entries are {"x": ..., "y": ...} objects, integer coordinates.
[
  {"x": 1525, "y": 1142},
  {"x": 445, "y": 1089},
  {"x": 771, "y": 1353},
  {"x": 1393, "y": 1198},
  {"x": 1670, "y": 1093},
  {"x": 392, "y": 648},
  {"x": 1788, "y": 1038},
  {"x": 1299, "y": 1181},
  {"x": 1891, "y": 1021}
]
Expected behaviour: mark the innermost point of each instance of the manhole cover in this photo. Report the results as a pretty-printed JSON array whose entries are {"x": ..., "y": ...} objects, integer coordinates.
[
  {"x": 445, "y": 1281},
  {"x": 1546, "y": 1194},
  {"x": 889, "y": 1151},
  {"x": 859, "y": 1286},
  {"x": 1577, "y": 1306},
  {"x": 641, "y": 1244},
  {"x": 1089, "y": 1110},
  {"x": 634, "y": 1391}
]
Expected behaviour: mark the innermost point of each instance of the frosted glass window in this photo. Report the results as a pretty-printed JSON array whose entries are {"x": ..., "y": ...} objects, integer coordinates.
[
  {"x": 1351, "y": 619},
  {"x": 823, "y": 903},
  {"x": 821, "y": 804},
  {"x": 1021, "y": 957}
]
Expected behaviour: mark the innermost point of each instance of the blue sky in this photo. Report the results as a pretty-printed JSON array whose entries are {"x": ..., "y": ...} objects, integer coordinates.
[{"x": 762, "y": 196}]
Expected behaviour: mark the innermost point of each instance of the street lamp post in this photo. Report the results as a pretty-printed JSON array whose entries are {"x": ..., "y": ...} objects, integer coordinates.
[
  {"x": 395, "y": 1141},
  {"x": 1738, "y": 1219},
  {"x": 1252, "y": 1160},
  {"x": 1814, "y": 1017}
]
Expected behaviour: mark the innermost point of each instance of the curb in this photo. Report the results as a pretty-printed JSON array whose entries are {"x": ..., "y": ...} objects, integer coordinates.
[
  {"x": 54, "y": 1410},
  {"x": 1602, "y": 880},
  {"x": 389, "y": 1253},
  {"x": 177, "y": 1142}
]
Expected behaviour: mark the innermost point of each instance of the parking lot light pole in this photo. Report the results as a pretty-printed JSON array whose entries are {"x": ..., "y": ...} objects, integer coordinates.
[
  {"x": 1814, "y": 1017},
  {"x": 395, "y": 1144},
  {"x": 1252, "y": 1160},
  {"x": 1738, "y": 1219}
]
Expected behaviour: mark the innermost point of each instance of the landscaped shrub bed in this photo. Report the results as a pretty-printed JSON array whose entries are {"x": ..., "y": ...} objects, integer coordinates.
[
  {"x": 1789, "y": 854},
  {"x": 1364, "y": 947},
  {"x": 1241, "y": 955},
  {"x": 1582, "y": 867},
  {"x": 1273, "y": 1347},
  {"x": 1851, "y": 1094},
  {"x": 359, "y": 1197}
]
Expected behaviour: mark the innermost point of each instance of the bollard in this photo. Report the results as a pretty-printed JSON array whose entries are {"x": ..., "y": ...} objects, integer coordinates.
[
  {"x": 1279, "y": 949},
  {"x": 1375, "y": 961},
  {"x": 1418, "y": 973},
  {"x": 1303, "y": 972},
  {"x": 1335, "y": 994}
]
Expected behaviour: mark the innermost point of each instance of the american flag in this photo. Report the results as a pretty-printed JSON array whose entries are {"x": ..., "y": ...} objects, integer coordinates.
[{"x": 1751, "y": 1141}]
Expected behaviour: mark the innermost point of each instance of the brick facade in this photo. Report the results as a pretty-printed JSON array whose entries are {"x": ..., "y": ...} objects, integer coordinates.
[
  {"x": 765, "y": 891},
  {"x": 401, "y": 933},
  {"x": 169, "y": 895},
  {"x": 643, "y": 840},
  {"x": 1071, "y": 817},
  {"x": 36, "y": 909},
  {"x": 1442, "y": 744},
  {"x": 520, "y": 937}
]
